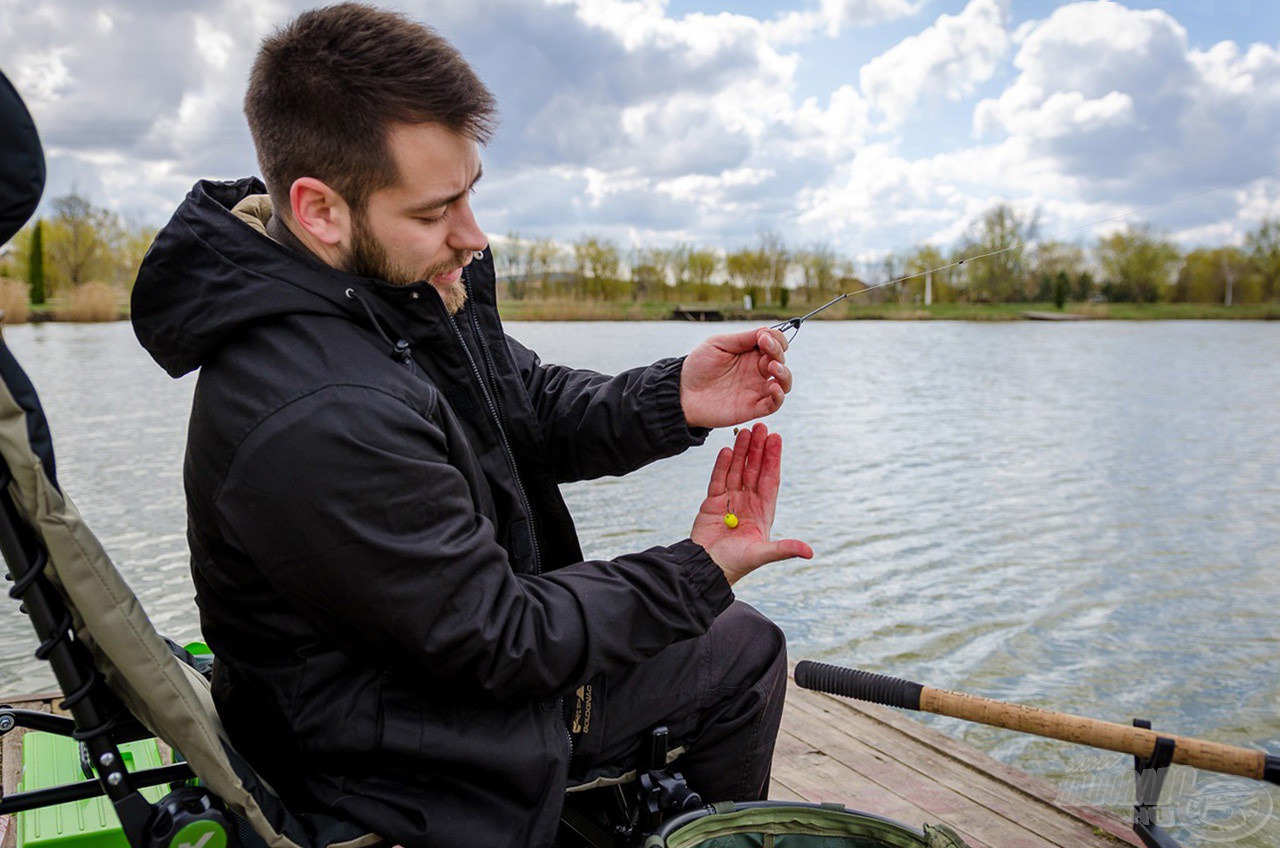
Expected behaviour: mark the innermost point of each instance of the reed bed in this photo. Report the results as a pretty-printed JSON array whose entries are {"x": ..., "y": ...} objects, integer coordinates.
[
  {"x": 13, "y": 301},
  {"x": 91, "y": 302}
]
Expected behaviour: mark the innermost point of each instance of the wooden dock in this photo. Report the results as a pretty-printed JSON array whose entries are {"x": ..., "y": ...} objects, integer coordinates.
[
  {"x": 1055, "y": 316},
  {"x": 697, "y": 313},
  {"x": 878, "y": 759},
  {"x": 868, "y": 758}
]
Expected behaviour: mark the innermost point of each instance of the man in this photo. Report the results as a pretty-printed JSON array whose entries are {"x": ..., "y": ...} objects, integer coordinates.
[{"x": 406, "y": 630}]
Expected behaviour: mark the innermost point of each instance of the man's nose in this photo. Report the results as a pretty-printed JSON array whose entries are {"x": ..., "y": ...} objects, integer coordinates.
[{"x": 466, "y": 234}]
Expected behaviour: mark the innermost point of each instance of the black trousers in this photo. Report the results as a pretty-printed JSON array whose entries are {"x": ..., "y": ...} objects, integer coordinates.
[{"x": 720, "y": 695}]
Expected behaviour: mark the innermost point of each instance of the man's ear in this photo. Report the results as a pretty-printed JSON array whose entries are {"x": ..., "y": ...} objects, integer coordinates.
[{"x": 321, "y": 211}]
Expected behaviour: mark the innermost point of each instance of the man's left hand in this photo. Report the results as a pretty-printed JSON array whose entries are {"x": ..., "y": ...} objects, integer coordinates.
[{"x": 735, "y": 378}]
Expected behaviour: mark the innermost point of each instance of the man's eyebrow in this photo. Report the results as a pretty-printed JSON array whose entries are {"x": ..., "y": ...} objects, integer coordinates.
[{"x": 445, "y": 201}]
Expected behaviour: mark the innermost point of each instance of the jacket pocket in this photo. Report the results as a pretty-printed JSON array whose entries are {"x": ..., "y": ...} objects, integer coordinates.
[
  {"x": 401, "y": 718},
  {"x": 335, "y": 706}
]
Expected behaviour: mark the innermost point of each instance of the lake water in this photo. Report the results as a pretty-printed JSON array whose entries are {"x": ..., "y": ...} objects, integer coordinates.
[{"x": 1084, "y": 516}]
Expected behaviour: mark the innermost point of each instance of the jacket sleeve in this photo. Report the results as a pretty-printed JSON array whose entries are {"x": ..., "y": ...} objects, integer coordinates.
[
  {"x": 348, "y": 503},
  {"x": 596, "y": 425}
]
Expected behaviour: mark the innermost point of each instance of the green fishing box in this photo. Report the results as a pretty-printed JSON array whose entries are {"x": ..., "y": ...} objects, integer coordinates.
[{"x": 52, "y": 760}]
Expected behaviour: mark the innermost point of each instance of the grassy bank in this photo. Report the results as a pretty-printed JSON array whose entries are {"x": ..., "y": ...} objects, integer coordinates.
[{"x": 582, "y": 310}]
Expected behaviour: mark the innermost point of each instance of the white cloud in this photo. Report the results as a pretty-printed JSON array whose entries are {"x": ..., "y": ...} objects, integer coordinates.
[
  {"x": 845, "y": 13},
  {"x": 620, "y": 119},
  {"x": 1062, "y": 113},
  {"x": 835, "y": 16},
  {"x": 1116, "y": 101},
  {"x": 1218, "y": 233},
  {"x": 1118, "y": 98},
  {"x": 1259, "y": 201},
  {"x": 948, "y": 59}
]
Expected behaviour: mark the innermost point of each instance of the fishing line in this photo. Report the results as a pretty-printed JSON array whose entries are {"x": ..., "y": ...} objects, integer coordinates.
[{"x": 793, "y": 324}]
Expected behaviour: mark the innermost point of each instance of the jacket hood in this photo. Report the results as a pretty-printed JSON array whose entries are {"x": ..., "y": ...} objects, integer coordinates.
[
  {"x": 210, "y": 274},
  {"x": 21, "y": 162}
]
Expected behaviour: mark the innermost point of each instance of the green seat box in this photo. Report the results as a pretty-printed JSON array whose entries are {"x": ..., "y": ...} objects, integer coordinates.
[{"x": 52, "y": 760}]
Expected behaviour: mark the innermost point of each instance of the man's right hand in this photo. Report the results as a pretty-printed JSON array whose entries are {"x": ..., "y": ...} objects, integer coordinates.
[{"x": 744, "y": 484}]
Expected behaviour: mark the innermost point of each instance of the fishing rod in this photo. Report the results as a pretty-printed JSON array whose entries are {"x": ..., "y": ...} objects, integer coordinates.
[
  {"x": 1138, "y": 741},
  {"x": 794, "y": 324}
]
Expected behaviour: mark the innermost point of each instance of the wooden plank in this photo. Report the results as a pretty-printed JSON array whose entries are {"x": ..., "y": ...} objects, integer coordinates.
[
  {"x": 1039, "y": 812},
  {"x": 820, "y": 778},
  {"x": 779, "y": 791},
  {"x": 939, "y": 803},
  {"x": 943, "y": 786},
  {"x": 50, "y": 696},
  {"x": 1020, "y": 782}
]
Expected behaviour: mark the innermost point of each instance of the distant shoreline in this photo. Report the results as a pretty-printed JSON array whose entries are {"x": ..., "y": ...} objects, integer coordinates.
[
  {"x": 580, "y": 310},
  {"x": 584, "y": 310}
]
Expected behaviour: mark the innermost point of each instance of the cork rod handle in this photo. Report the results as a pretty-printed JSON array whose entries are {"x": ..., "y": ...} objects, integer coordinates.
[{"x": 890, "y": 691}]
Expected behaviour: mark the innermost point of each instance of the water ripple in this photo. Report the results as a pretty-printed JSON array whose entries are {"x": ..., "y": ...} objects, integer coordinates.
[{"x": 1084, "y": 517}]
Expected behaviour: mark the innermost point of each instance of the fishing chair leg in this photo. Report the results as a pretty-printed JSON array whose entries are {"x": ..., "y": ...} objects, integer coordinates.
[{"x": 623, "y": 815}]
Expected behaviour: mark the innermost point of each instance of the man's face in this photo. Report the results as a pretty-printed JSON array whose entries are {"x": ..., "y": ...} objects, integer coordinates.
[{"x": 422, "y": 228}]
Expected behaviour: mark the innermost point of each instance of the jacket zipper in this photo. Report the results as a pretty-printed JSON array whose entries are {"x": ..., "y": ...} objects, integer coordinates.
[
  {"x": 495, "y": 409},
  {"x": 497, "y": 420}
]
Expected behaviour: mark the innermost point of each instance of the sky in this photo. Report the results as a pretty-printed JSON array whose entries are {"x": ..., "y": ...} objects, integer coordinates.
[{"x": 865, "y": 125}]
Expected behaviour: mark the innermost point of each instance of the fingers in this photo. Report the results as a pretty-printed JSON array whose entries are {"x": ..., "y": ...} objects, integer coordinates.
[
  {"x": 771, "y": 402},
  {"x": 772, "y": 367},
  {"x": 755, "y": 457},
  {"x": 720, "y": 473},
  {"x": 733, "y": 481},
  {"x": 773, "y": 345},
  {"x": 769, "y": 478},
  {"x": 782, "y": 374},
  {"x": 772, "y": 342},
  {"x": 775, "y": 370},
  {"x": 766, "y": 339}
]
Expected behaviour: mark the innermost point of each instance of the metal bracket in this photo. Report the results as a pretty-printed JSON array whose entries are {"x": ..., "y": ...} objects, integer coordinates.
[
  {"x": 1149, "y": 774},
  {"x": 662, "y": 792},
  {"x": 11, "y": 718}
]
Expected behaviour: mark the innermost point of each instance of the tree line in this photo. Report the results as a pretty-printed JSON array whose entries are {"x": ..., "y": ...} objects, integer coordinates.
[
  {"x": 78, "y": 243},
  {"x": 1000, "y": 260}
]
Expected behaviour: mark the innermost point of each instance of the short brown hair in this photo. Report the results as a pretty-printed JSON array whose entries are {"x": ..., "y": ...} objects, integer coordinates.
[{"x": 325, "y": 90}]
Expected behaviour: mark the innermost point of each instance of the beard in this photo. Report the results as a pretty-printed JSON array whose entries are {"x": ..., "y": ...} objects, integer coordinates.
[{"x": 369, "y": 258}]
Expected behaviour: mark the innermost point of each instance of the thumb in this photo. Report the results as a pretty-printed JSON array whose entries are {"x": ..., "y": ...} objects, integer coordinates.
[
  {"x": 739, "y": 342},
  {"x": 767, "y": 552}
]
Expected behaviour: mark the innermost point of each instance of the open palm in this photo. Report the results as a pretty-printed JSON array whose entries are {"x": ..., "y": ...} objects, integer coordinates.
[{"x": 745, "y": 483}]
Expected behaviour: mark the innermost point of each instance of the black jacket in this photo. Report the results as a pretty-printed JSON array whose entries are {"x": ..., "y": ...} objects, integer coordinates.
[{"x": 383, "y": 563}]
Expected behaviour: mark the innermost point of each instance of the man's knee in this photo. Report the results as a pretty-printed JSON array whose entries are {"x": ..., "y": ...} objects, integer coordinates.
[{"x": 748, "y": 648}]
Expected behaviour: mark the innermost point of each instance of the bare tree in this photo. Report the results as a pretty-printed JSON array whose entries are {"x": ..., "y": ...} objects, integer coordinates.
[
  {"x": 818, "y": 264},
  {"x": 81, "y": 242},
  {"x": 1263, "y": 245},
  {"x": 993, "y": 253},
  {"x": 1138, "y": 264}
]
